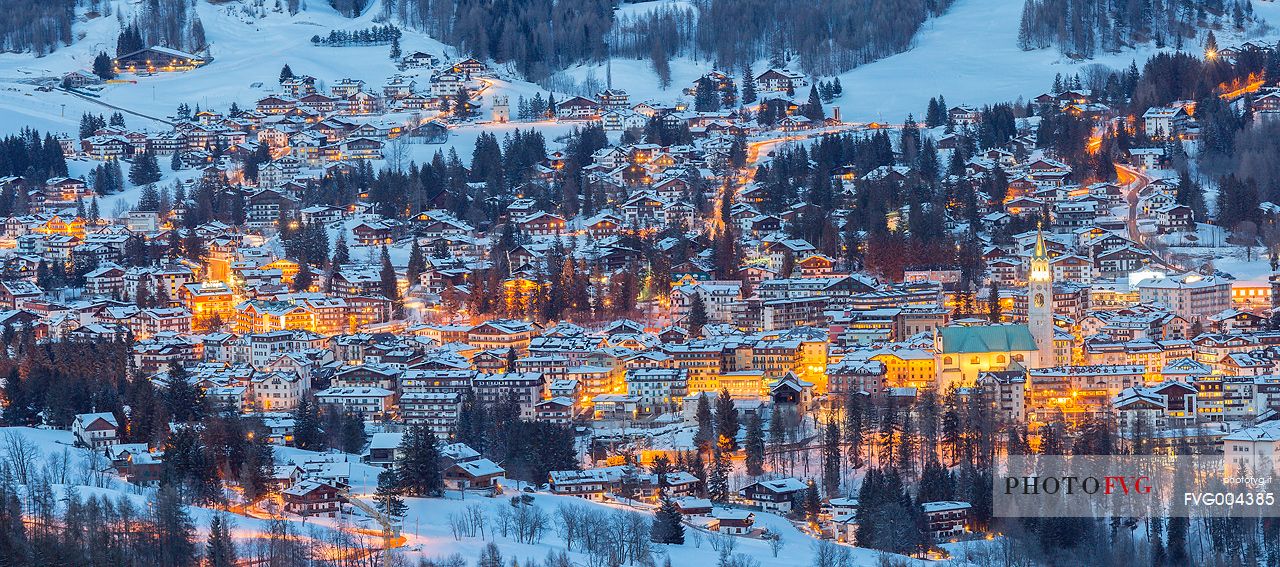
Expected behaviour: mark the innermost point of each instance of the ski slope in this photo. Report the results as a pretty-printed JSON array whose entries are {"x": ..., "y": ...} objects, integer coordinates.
[{"x": 970, "y": 56}]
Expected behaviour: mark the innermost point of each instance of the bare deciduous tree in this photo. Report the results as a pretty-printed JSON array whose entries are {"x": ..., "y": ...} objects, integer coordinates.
[{"x": 20, "y": 454}]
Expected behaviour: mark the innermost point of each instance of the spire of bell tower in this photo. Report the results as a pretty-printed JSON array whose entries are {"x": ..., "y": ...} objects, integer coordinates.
[
  {"x": 1041, "y": 252},
  {"x": 1040, "y": 262}
]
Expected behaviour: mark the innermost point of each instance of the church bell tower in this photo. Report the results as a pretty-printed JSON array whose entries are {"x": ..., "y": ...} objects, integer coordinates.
[{"x": 1040, "y": 303}]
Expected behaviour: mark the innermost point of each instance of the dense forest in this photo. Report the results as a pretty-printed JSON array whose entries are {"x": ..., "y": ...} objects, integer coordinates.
[
  {"x": 537, "y": 36},
  {"x": 42, "y": 26},
  {"x": 1081, "y": 28},
  {"x": 168, "y": 23},
  {"x": 827, "y": 36},
  {"x": 38, "y": 26},
  {"x": 540, "y": 37},
  {"x": 543, "y": 36}
]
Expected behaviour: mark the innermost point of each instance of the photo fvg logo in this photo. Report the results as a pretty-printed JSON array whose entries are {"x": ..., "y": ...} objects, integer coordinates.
[
  {"x": 1093, "y": 486},
  {"x": 1123, "y": 485}
]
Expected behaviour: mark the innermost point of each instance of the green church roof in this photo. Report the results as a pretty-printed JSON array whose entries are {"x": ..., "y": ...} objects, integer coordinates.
[{"x": 987, "y": 338}]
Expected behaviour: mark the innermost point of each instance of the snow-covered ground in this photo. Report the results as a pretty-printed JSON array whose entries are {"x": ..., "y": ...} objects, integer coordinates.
[
  {"x": 247, "y": 55},
  {"x": 970, "y": 56},
  {"x": 426, "y": 526},
  {"x": 52, "y": 444}
]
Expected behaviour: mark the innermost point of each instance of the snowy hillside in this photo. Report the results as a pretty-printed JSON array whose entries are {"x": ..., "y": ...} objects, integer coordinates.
[
  {"x": 427, "y": 525},
  {"x": 970, "y": 55},
  {"x": 247, "y": 54}
]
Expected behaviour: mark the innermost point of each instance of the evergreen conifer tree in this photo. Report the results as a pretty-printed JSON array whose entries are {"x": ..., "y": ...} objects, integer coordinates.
[
  {"x": 417, "y": 264},
  {"x": 174, "y": 530},
  {"x": 144, "y": 169},
  {"x": 831, "y": 459},
  {"x": 103, "y": 67},
  {"x": 388, "y": 497},
  {"x": 388, "y": 283},
  {"x": 727, "y": 425},
  {"x": 220, "y": 551},
  {"x": 748, "y": 85},
  {"x": 303, "y": 280},
  {"x": 306, "y": 430},
  {"x": 697, "y": 315},
  {"x": 419, "y": 464},
  {"x": 754, "y": 446},
  {"x": 718, "y": 477},
  {"x": 703, "y": 438},
  {"x": 668, "y": 524},
  {"x": 813, "y": 108}
]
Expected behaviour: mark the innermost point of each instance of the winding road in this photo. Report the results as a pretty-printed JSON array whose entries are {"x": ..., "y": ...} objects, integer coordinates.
[{"x": 1135, "y": 183}]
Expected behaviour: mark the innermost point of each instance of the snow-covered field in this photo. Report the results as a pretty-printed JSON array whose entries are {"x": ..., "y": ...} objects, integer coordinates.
[
  {"x": 970, "y": 56},
  {"x": 52, "y": 444},
  {"x": 247, "y": 55},
  {"x": 426, "y": 526}
]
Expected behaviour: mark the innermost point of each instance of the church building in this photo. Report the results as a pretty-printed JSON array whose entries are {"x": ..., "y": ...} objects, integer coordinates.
[{"x": 963, "y": 352}]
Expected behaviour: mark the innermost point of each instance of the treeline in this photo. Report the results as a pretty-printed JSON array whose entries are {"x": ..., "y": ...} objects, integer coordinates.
[
  {"x": 1154, "y": 540},
  {"x": 166, "y": 23},
  {"x": 41, "y": 526},
  {"x": 1081, "y": 28},
  {"x": 348, "y": 8},
  {"x": 541, "y": 37},
  {"x": 31, "y": 155},
  {"x": 889, "y": 225},
  {"x": 68, "y": 529},
  {"x": 827, "y": 37},
  {"x": 559, "y": 287},
  {"x": 528, "y": 450},
  {"x": 499, "y": 165},
  {"x": 50, "y": 382},
  {"x": 205, "y": 447},
  {"x": 938, "y": 448},
  {"x": 664, "y": 32},
  {"x": 36, "y": 26},
  {"x": 537, "y": 36},
  {"x": 823, "y": 38},
  {"x": 1252, "y": 175},
  {"x": 376, "y": 35}
]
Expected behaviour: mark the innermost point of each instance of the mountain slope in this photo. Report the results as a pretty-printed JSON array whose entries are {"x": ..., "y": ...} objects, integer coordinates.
[{"x": 971, "y": 56}]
